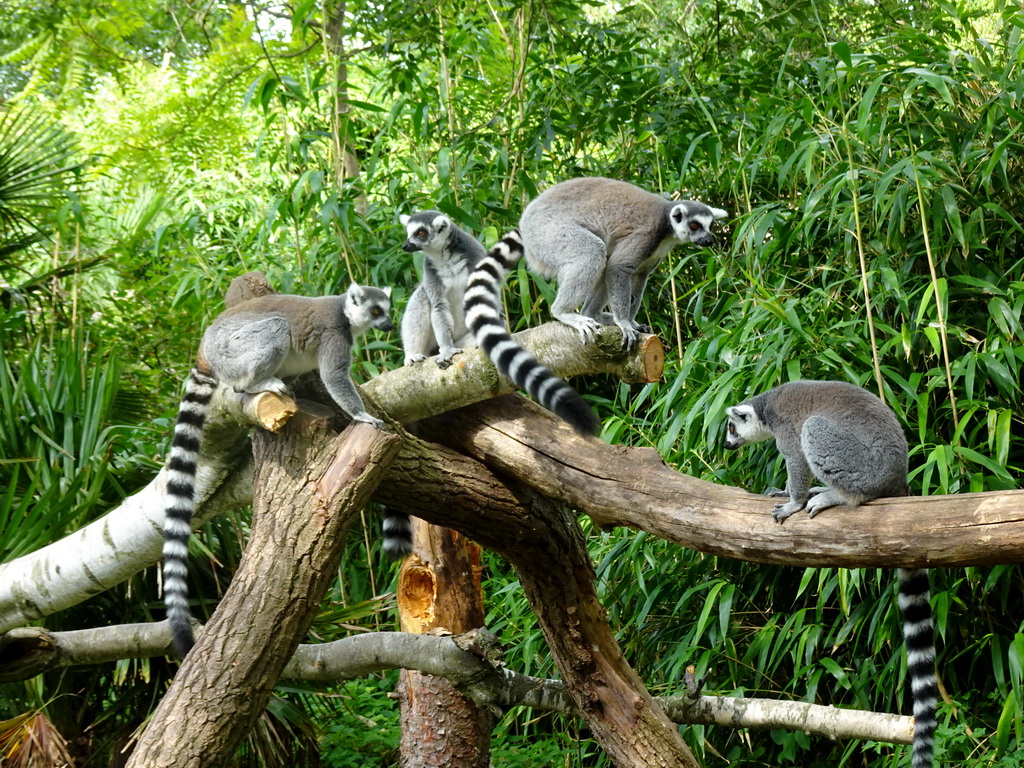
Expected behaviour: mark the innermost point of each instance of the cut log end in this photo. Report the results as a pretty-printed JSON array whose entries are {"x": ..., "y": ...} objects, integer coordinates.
[
  {"x": 273, "y": 411},
  {"x": 652, "y": 355}
]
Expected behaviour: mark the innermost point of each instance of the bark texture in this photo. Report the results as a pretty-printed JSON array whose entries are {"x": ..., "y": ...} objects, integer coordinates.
[
  {"x": 559, "y": 581},
  {"x": 309, "y": 485},
  {"x": 439, "y": 592},
  {"x": 415, "y": 392},
  {"x": 616, "y": 485},
  {"x": 547, "y": 548}
]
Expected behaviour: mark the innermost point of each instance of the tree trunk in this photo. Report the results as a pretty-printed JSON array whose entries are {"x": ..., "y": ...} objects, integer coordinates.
[
  {"x": 439, "y": 590},
  {"x": 346, "y": 164},
  {"x": 309, "y": 485}
]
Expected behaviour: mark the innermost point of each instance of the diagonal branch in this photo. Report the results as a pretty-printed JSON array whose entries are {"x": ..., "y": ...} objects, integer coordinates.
[{"x": 309, "y": 486}]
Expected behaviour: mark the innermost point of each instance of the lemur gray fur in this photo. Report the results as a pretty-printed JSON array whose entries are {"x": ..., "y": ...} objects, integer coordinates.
[
  {"x": 851, "y": 441},
  {"x": 601, "y": 239},
  {"x": 251, "y": 347},
  {"x": 434, "y": 322},
  {"x": 485, "y": 319}
]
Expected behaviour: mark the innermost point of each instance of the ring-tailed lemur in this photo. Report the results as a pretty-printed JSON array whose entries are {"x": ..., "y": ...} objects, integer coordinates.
[
  {"x": 851, "y": 441},
  {"x": 434, "y": 322},
  {"x": 250, "y": 347},
  {"x": 601, "y": 239},
  {"x": 484, "y": 317}
]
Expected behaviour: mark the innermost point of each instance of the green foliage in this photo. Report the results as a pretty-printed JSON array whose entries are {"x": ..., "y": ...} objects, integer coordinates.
[
  {"x": 35, "y": 155},
  {"x": 366, "y": 734},
  {"x": 63, "y": 444},
  {"x": 870, "y": 151}
]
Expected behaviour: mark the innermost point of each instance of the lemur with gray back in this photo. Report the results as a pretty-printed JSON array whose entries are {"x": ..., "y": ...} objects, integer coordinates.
[
  {"x": 601, "y": 239},
  {"x": 434, "y": 321},
  {"x": 251, "y": 347},
  {"x": 852, "y": 442}
]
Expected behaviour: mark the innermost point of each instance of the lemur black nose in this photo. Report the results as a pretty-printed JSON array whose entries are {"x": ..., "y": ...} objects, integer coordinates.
[{"x": 409, "y": 246}]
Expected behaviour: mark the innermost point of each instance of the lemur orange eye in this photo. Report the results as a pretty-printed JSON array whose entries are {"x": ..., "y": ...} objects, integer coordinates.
[
  {"x": 694, "y": 226},
  {"x": 421, "y": 233}
]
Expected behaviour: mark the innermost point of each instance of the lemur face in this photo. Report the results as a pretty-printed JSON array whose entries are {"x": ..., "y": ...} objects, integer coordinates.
[
  {"x": 744, "y": 427},
  {"x": 424, "y": 230},
  {"x": 691, "y": 222}
]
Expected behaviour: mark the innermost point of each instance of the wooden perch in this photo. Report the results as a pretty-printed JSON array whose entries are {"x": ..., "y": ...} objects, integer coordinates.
[
  {"x": 415, "y": 392},
  {"x": 310, "y": 485},
  {"x": 617, "y": 485},
  {"x": 481, "y": 676}
]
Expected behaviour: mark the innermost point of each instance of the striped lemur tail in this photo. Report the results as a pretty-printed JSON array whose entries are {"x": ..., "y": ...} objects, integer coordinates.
[
  {"x": 484, "y": 318},
  {"x": 181, "y": 503},
  {"x": 397, "y": 531},
  {"x": 915, "y": 610}
]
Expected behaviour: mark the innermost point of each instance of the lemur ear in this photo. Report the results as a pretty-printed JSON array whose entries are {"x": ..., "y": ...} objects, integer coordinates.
[
  {"x": 404, "y": 218},
  {"x": 441, "y": 222},
  {"x": 387, "y": 291},
  {"x": 718, "y": 213},
  {"x": 678, "y": 213},
  {"x": 355, "y": 292}
]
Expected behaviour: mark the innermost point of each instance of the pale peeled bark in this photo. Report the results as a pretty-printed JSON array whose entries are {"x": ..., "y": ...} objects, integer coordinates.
[{"x": 465, "y": 660}]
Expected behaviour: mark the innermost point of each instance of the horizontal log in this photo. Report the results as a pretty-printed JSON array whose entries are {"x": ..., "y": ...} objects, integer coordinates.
[
  {"x": 417, "y": 391},
  {"x": 28, "y": 651},
  {"x": 622, "y": 486}
]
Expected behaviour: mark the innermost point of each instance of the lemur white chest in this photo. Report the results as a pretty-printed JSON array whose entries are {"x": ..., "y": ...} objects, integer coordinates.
[
  {"x": 659, "y": 253},
  {"x": 296, "y": 363},
  {"x": 454, "y": 273}
]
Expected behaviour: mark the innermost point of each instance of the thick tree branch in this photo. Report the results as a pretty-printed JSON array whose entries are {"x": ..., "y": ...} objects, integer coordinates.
[
  {"x": 480, "y": 674},
  {"x": 415, "y": 392},
  {"x": 308, "y": 487},
  {"x": 621, "y": 486},
  {"x": 128, "y": 538}
]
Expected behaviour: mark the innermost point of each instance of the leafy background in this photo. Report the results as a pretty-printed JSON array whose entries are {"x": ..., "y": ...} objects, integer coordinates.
[{"x": 870, "y": 153}]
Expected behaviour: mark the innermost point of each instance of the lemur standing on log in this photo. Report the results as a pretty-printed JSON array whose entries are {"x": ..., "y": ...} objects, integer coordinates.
[
  {"x": 851, "y": 441},
  {"x": 251, "y": 347}
]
